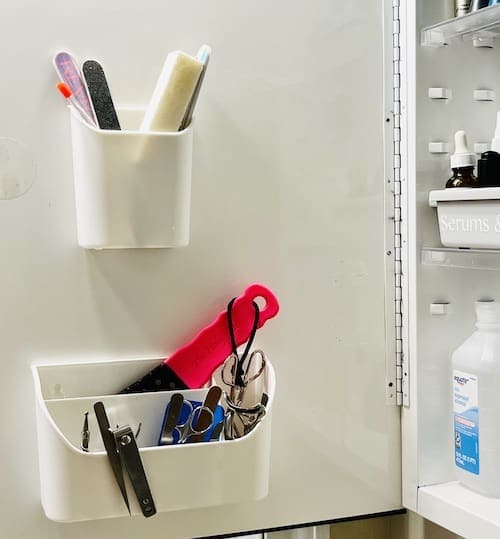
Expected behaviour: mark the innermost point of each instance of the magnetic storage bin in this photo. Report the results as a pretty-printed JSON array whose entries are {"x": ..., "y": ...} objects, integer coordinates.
[
  {"x": 78, "y": 486},
  {"x": 132, "y": 189},
  {"x": 468, "y": 217}
]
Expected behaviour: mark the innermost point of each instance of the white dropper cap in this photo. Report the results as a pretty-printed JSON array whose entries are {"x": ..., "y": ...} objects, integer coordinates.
[
  {"x": 462, "y": 156},
  {"x": 495, "y": 143}
]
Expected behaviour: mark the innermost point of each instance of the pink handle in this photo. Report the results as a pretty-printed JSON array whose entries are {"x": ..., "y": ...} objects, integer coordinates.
[{"x": 195, "y": 362}]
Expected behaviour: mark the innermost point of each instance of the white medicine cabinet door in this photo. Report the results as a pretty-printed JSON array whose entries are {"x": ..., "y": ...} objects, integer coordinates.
[
  {"x": 288, "y": 189},
  {"x": 451, "y": 83}
]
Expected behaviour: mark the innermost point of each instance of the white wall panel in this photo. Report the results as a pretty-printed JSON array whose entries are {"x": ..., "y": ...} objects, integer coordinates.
[{"x": 288, "y": 189}]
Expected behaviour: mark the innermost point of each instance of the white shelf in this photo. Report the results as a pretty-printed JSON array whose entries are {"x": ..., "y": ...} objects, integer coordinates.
[
  {"x": 460, "y": 510},
  {"x": 488, "y": 259},
  {"x": 484, "y": 23}
]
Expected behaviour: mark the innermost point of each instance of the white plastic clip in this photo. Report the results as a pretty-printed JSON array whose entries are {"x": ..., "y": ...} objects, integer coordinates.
[
  {"x": 481, "y": 147},
  {"x": 438, "y": 309},
  {"x": 439, "y": 93},
  {"x": 439, "y": 147},
  {"x": 483, "y": 42},
  {"x": 484, "y": 95}
]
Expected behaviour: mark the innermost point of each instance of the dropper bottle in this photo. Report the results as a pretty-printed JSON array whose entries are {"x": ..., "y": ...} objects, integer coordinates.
[{"x": 462, "y": 164}]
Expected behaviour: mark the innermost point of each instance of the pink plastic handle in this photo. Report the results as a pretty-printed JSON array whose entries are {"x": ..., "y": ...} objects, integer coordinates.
[{"x": 195, "y": 362}]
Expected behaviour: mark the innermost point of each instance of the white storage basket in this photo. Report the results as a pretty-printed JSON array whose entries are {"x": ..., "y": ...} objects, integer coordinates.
[
  {"x": 132, "y": 189},
  {"x": 468, "y": 217},
  {"x": 77, "y": 486}
]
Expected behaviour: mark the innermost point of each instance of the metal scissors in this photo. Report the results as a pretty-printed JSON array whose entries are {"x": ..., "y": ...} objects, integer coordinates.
[
  {"x": 198, "y": 422},
  {"x": 197, "y": 419},
  {"x": 238, "y": 372}
]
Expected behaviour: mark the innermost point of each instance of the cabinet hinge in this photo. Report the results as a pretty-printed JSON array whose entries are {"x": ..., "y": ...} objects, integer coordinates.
[{"x": 396, "y": 139}]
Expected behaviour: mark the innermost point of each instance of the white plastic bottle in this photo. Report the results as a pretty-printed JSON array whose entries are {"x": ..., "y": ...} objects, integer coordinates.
[{"x": 476, "y": 403}]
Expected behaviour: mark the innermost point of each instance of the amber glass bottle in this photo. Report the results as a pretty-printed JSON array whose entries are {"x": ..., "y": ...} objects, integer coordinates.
[
  {"x": 463, "y": 177},
  {"x": 462, "y": 164}
]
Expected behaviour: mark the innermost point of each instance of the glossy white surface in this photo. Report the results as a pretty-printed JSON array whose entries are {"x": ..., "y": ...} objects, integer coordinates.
[
  {"x": 462, "y": 258},
  {"x": 464, "y": 193},
  {"x": 483, "y": 23},
  {"x": 459, "y": 509},
  {"x": 68, "y": 474},
  {"x": 132, "y": 189},
  {"x": 288, "y": 189}
]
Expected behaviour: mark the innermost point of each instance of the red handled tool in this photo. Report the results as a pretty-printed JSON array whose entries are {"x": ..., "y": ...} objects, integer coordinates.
[{"x": 191, "y": 366}]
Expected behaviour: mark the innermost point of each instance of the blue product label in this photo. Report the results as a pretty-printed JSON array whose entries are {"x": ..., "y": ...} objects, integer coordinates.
[{"x": 466, "y": 414}]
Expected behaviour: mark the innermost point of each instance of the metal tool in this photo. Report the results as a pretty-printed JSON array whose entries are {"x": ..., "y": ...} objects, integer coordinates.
[
  {"x": 123, "y": 453},
  {"x": 239, "y": 373},
  {"x": 205, "y": 420},
  {"x": 174, "y": 412},
  {"x": 190, "y": 426},
  {"x": 217, "y": 432},
  {"x": 131, "y": 461},
  {"x": 241, "y": 421},
  {"x": 180, "y": 414},
  {"x": 85, "y": 434},
  {"x": 110, "y": 446}
]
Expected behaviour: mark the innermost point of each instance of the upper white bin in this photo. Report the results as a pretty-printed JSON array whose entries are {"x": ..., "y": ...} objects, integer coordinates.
[{"x": 132, "y": 189}]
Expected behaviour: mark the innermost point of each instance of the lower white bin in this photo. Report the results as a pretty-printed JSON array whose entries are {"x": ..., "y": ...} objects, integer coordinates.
[
  {"x": 78, "y": 486},
  {"x": 468, "y": 217}
]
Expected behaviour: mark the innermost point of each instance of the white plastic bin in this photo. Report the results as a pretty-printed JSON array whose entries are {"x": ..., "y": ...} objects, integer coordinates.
[
  {"x": 132, "y": 189},
  {"x": 78, "y": 486},
  {"x": 468, "y": 217}
]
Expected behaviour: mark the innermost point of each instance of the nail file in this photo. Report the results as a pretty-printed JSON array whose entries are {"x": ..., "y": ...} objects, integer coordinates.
[
  {"x": 172, "y": 93},
  {"x": 69, "y": 72},
  {"x": 99, "y": 95},
  {"x": 191, "y": 366},
  {"x": 203, "y": 56}
]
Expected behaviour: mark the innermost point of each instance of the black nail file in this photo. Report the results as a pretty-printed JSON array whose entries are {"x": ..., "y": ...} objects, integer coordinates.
[{"x": 99, "y": 95}]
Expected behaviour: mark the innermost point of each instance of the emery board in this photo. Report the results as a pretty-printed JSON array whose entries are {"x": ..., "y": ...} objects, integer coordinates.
[
  {"x": 100, "y": 95},
  {"x": 172, "y": 93},
  {"x": 203, "y": 56},
  {"x": 69, "y": 72}
]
